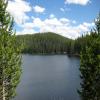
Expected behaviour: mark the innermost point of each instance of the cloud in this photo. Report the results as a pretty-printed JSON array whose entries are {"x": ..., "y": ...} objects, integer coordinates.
[
  {"x": 80, "y": 2},
  {"x": 52, "y": 22},
  {"x": 51, "y": 16},
  {"x": 62, "y": 26},
  {"x": 65, "y": 21},
  {"x": 26, "y": 31},
  {"x": 62, "y": 9},
  {"x": 65, "y": 9},
  {"x": 38, "y": 9},
  {"x": 18, "y": 9}
]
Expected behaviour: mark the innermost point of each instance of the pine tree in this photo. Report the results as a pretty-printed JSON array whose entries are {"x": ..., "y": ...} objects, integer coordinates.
[
  {"x": 97, "y": 23},
  {"x": 10, "y": 58},
  {"x": 90, "y": 67}
]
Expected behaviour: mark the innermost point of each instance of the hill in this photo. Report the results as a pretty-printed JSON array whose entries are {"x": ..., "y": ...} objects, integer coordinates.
[{"x": 44, "y": 43}]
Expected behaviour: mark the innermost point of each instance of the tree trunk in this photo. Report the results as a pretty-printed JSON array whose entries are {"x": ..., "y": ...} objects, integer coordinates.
[{"x": 4, "y": 94}]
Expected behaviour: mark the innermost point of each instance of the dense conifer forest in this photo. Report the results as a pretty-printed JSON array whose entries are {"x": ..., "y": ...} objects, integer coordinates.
[
  {"x": 52, "y": 43},
  {"x": 45, "y": 43}
]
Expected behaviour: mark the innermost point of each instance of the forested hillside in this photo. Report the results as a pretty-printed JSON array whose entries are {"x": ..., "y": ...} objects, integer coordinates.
[
  {"x": 45, "y": 43},
  {"x": 51, "y": 43}
]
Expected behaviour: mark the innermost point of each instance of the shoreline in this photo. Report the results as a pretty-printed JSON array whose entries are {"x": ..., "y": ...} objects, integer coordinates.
[{"x": 76, "y": 55}]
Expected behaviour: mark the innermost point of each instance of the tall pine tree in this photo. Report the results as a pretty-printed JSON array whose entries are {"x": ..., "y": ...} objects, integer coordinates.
[
  {"x": 90, "y": 66},
  {"x": 10, "y": 58}
]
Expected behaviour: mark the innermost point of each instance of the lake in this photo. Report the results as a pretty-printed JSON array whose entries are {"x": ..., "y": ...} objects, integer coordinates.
[{"x": 49, "y": 77}]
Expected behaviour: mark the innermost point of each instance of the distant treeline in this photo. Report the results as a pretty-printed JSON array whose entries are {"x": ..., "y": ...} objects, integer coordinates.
[{"x": 51, "y": 43}]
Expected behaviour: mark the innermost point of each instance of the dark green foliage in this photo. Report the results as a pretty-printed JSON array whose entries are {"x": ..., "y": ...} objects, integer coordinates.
[
  {"x": 51, "y": 43},
  {"x": 45, "y": 43},
  {"x": 10, "y": 58},
  {"x": 90, "y": 66}
]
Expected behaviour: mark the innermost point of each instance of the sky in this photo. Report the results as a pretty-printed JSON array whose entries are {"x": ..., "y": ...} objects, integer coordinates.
[{"x": 69, "y": 18}]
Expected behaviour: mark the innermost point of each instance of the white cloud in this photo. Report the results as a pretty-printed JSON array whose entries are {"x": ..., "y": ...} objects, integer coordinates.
[
  {"x": 74, "y": 22},
  {"x": 18, "y": 9},
  {"x": 62, "y": 26},
  {"x": 62, "y": 9},
  {"x": 65, "y": 21},
  {"x": 27, "y": 26},
  {"x": 80, "y": 2},
  {"x": 65, "y": 9},
  {"x": 26, "y": 31},
  {"x": 52, "y": 22},
  {"x": 38, "y": 9},
  {"x": 37, "y": 22},
  {"x": 51, "y": 16}
]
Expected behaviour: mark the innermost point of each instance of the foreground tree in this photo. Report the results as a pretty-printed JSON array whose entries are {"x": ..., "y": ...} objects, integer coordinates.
[
  {"x": 90, "y": 66},
  {"x": 10, "y": 58}
]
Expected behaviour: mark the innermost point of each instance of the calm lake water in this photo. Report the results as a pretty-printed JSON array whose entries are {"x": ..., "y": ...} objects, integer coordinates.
[{"x": 49, "y": 77}]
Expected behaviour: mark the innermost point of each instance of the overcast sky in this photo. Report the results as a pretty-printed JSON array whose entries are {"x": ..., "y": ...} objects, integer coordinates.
[{"x": 70, "y": 18}]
